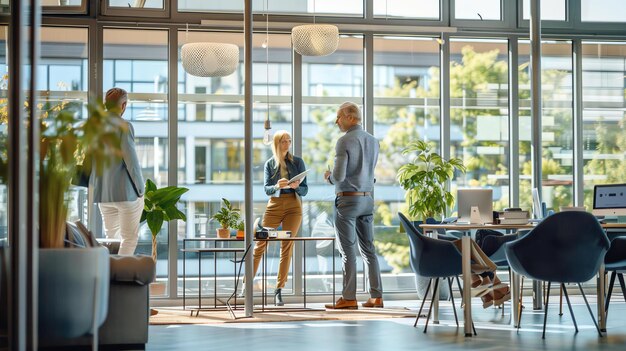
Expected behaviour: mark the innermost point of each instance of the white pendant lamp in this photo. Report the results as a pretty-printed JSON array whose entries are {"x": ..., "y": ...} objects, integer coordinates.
[
  {"x": 210, "y": 59},
  {"x": 315, "y": 39}
]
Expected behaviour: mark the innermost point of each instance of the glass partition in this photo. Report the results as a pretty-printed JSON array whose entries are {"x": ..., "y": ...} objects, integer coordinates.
[
  {"x": 478, "y": 9},
  {"x": 327, "y": 82},
  {"x": 292, "y": 7},
  {"x": 556, "y": 124},
  {"x": 137, "y": 60},
  {"x": 603, "y": 11},
  {"x": 429, "y": 9},
  {"x": 479, "y": 115},
  {"x": 551, "y": 10},
  {"x": 604, "y": 115},
  {"x": 406, "y": 109}
]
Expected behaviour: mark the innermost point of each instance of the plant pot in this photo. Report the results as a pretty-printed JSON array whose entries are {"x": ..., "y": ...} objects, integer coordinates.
[
  {"x": 240, "y": 234},
  {"x": 223, "y": 233},
  {"x": 67, "y": 281}
]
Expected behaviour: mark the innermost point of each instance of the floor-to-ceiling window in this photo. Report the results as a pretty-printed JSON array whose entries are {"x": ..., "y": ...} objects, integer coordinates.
[
  {"x": 406, "y": 109},
  {"x": 556, "y": 122},
  {"x": 137, "y": 60},
  {"x": 327, "y": 82},
  {"x": 604, "y": 115},
  {"x": 479, "y": 114}
]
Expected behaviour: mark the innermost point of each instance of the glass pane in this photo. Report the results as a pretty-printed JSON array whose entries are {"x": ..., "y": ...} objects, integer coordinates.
[
  {"x": 136, "y": 60},
  {"x": 296, "y": 7},
  {"x": 478, "y": 10},
  {"x": 407, "y": 8},
  {"x": 557, "y": 124},
  {"x": 604, "y": 115},
  {"x": 551, "y": 10},
  {"x": 326, "y": 83},
  {"x": 61, "y": 2},
  {"x": 479, "y": 115},
  {"x": 4, "y": 6},
  {"x": 148, "y": 4},
  {"x": 212, "y": 127},
  {"x": 406, "y": 109},
  {"x": 603, "y": 10},
  {"x": 63, "y": 80}
]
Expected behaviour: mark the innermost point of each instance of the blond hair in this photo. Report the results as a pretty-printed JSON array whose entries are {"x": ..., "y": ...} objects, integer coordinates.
[{"x": 278, "y": 160}]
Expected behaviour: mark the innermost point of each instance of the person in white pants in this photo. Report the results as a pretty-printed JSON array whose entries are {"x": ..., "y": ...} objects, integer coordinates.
[{"x": 119, "y": 188}]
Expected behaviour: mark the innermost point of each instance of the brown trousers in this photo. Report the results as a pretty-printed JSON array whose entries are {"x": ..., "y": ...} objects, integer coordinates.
[{"x": 287, "y": 210}]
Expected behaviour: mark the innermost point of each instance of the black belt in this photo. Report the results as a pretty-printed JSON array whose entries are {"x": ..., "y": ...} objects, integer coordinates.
[{"x": 354, "y": 193}]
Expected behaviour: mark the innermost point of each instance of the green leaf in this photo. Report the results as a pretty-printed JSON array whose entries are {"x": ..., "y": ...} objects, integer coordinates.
[{"x": 155, "y": 222}]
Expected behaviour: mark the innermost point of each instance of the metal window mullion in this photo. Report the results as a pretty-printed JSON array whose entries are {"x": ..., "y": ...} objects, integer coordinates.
[
  {"x": 172, "y": 172},
  {"x": 368, "y": 12},
  {"x": 514, "y": 167},
  {"x": 296, "y": 108},
  {"x": 577, "y": 84},
  {"x": 444, "y": 103},
  {"x": 368, "y": 82},
  {"x": 249, "y": 308}
]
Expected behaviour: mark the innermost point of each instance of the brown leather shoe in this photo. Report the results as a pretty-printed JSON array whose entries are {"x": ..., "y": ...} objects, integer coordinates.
[
  {"x": 342, "y": 304},
  {"x": 373, "y": 302}
]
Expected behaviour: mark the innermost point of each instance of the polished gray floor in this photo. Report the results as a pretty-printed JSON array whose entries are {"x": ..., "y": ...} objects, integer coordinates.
[{"x": 494, "y": 333}]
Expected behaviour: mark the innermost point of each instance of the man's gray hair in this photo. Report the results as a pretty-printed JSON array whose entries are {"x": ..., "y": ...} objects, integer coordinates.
[{"x": 349, "y": 108}]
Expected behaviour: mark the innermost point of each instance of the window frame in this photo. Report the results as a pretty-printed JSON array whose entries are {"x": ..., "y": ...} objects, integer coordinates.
[{"x": 164, "y": 12}]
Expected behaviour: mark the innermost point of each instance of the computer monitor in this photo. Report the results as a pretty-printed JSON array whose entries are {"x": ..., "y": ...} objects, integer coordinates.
[
  {"x": 481, "y": 198},
  {"x": 609, "y": 200}
]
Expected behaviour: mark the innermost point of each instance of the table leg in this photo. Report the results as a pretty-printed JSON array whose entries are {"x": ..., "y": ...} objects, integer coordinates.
[
  {"x": 184, "y": 274},
  {"x": 600, "y": 289},
  {"x": 199, "y": 280},
  {"x": 215, "y": 280},
  {"x": 333, "y": 273},
  {"x": 516, "y": 293},
  {"x": 304, "y": 272},
  {"x": 235, "y": 276},
  {"x": 467, "y": 284},
  {"x": 263, "y": 281}
]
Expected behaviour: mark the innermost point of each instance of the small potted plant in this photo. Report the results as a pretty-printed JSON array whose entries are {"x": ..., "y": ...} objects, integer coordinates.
[
  {"x": 241, "y": 227},
  {"x": 228, "y": 217}
]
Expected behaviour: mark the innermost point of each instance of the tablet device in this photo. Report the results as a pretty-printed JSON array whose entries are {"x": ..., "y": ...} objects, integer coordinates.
[{"x": 298, "y": 177}]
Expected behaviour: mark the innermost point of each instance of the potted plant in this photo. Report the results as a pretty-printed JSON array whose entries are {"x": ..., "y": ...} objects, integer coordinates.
[
  {"x": 228, "y": 217},
  {"x": 241, "y": 227},
  {"x": 424, "y": 178},
  {"x": 160, "y": 206}
]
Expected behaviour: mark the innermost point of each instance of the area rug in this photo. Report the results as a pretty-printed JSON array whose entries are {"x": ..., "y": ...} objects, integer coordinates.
[{"x": 178, "y": 316}]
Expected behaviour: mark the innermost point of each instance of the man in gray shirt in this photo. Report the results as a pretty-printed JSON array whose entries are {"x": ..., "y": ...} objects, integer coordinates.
[{"x": 353, "y": 177}]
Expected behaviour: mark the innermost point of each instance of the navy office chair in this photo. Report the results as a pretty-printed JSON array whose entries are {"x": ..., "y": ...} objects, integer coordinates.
[
  {"x": 567, "y": 247},
  {"x": 432, "y": 258},
  {"x": 615, "y": 262}
]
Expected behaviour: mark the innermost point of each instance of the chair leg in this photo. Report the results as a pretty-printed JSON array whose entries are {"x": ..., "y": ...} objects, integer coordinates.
[
  {"x": 561, "y": 300},
  {"x": 545, "y": 316},
  {"x": 622, "y": 285},
  {"x": 417, "y": 318},
  {"x": 520, "y": 306},
  {"x": 569, "y": 305},
  {"x": 590, "y": 311},
  {"x": 456, "y": 319},
  {"x": 609, "y": 292},
  {"x": 430, "y": 308}
]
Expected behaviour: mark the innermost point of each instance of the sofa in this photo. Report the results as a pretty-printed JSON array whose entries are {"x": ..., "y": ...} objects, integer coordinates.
[{"x": 126, "y": 324}]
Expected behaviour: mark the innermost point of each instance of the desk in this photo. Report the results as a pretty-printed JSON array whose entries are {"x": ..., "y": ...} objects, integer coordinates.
[
  {"x": 514, "y": 277},
  {"x": 304, "y": 241},
  {"x": 466, "y": 267},
  {"x": 199, "y": 252}
]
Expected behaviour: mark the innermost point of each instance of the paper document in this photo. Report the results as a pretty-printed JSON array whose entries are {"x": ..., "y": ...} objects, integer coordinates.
[{"x": 298, "y": 177}]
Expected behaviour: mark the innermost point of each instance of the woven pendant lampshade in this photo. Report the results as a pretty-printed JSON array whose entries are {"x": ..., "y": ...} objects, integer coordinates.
[
  {"x": 315, "y": 39},
  {"x": 210, "y": 59}
]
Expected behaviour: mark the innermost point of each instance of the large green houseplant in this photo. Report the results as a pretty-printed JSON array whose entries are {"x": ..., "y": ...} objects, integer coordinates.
[
  {"x": 424, "y": 178},
  {"x": 160, "y": 206}
]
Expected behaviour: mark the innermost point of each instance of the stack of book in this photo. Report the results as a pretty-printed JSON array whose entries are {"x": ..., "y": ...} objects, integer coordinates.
[{"x": 512, "y": 216}]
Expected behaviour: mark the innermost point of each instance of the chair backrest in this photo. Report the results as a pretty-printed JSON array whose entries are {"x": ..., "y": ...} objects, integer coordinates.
[
  {"x": 566, "y": 247},
  {"x": 431, "y": 257}
]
